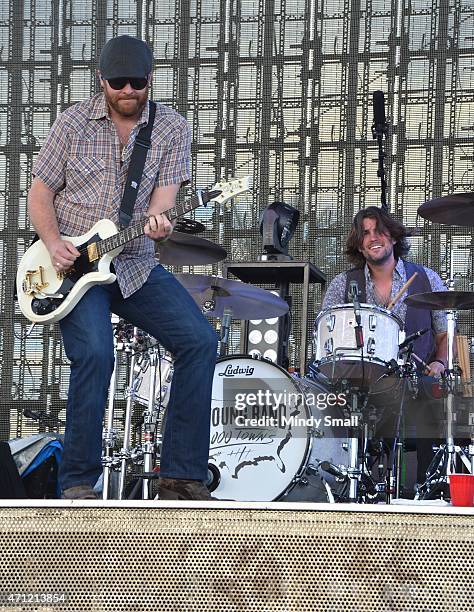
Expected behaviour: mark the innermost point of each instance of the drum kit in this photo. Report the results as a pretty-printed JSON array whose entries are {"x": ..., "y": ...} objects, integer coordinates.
[{"x": 276, "y": 435}]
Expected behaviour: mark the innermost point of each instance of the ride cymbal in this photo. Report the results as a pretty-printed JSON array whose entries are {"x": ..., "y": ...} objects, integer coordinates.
[
  {"x": 214, "y": 294},
  {"x": 442, "y": 300},
  {"x": 454, "y": 209}
]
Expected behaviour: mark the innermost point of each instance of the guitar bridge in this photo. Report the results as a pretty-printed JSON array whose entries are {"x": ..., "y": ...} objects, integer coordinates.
[{"x": 34, "y": 282}]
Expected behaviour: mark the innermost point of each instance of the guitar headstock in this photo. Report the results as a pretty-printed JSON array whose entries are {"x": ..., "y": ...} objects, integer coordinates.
[{"x": 230, "y": 189}]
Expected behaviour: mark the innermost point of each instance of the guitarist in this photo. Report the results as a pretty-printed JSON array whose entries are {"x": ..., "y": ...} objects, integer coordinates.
[{"x": 79, "y": 178}]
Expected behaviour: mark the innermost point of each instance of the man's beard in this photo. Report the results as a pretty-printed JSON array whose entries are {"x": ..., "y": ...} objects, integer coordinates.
[
  {"x": 381, "y": 260},
  {"x": 131, "y": 110}
]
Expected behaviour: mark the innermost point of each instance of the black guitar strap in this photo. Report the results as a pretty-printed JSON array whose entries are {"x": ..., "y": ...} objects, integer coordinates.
[{"x": 135, "y": 169}]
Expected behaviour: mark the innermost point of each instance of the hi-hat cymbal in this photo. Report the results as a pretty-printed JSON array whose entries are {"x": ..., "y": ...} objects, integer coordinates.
[
  {"x": 442, "y": 300},
  {"x": 188, "y": 250},
  {"x": 454, "y": 209},
  {"x": 214, "y": 294}
]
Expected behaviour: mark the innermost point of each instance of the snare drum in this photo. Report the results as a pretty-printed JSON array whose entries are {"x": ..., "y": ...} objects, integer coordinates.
[
  {"x": 260, "y": 434},
  {"x": 335, "y": 348}
]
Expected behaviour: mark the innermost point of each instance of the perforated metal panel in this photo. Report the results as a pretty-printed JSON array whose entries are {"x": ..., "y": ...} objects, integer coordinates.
[
  {"x": 236, "y": 560},
  {"x": 278, "y": 89}
]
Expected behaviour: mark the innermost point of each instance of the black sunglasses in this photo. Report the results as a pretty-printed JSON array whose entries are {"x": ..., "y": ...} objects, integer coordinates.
[{"x": 135, "y": 83}]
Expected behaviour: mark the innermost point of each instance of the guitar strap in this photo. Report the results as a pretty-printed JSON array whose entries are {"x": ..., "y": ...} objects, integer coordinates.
[{"x": 135, "y": 169}]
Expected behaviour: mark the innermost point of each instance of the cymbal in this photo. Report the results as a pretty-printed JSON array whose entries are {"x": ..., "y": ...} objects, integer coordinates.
[
  {"x": 214, "y": 294},
  {"x": 442, "y": 300},
  {"x": 188, "y": 250},
  {"x": 188, "y": 226},
  {"x": 454, "y": 209}
]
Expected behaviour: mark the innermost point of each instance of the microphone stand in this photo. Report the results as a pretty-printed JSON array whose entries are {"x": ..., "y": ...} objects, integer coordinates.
[{"x": 378, "y": 132}]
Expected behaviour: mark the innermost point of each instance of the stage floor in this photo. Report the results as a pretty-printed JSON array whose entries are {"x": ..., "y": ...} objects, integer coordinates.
[
  {"x": 247, "y": 556},
  {"x": 403, "y": 506}
]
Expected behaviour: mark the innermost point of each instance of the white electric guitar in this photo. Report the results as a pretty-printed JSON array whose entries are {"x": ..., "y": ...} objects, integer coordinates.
[{"x": 46, "y": 296}]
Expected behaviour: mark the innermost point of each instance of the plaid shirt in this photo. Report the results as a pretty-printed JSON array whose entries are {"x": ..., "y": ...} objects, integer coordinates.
[{"x": 82, "y": 162}]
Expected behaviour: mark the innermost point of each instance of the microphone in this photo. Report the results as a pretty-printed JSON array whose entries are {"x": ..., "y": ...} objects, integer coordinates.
[
  {"x": 392, "y": 367},
  {"x": 332, "y": 469},
  {"x": 379, "y": 126},
  {"x": 409, "y": 339},
  {"x": 225, "y": 325},
  {"x": 354, "y": 294}
]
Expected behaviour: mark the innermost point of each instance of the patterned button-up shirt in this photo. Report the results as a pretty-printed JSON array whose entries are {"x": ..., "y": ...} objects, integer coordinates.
[
  {"x": 82, "y": 162},
  {"x": 336, "y": 292}
]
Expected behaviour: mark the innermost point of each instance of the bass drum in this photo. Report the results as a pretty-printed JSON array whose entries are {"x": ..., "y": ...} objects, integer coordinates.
[
  {"x": 260, "y": 438},
  {"x": 329, "y": 444}
]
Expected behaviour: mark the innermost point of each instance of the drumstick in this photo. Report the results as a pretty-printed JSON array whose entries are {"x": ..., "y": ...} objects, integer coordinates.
[
  {"x": 420, "y": 360},
  {"x": 402, "y": 291}
]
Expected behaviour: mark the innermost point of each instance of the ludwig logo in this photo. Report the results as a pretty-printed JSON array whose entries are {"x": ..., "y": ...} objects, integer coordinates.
[{"x": 231, "y": 371}]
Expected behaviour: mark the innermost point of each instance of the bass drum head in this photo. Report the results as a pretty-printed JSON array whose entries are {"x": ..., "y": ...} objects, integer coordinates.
[
  {"x": 260, "y": 438},
  {"x": 329, "y": 444}
]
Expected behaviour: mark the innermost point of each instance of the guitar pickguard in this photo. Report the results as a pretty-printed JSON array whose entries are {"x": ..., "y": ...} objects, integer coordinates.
[{"x": 82, "y": 266}]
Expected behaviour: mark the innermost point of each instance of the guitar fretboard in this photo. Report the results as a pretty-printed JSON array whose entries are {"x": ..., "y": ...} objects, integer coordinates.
[{"x": 138, "y": 229}]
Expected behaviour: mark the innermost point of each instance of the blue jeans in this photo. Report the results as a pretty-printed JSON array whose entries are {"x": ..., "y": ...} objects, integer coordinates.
[{"x": 164, "y": 309}]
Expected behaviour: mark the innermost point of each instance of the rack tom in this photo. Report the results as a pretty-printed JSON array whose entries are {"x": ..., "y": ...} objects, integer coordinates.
[{"x": 336, "y": 352}]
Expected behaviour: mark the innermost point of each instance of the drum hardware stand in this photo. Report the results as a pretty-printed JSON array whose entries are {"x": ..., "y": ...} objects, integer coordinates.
[
  {"x": 125, "y": 453},
  {"x": 408, "y": 373},
  {"x": 444, "y": 461},
  {"x": 354, "y": 469},
  {"x": 109, "y": 434},
  {"x": 391, "y": 484},
  {"x": 149, "y": 426}
]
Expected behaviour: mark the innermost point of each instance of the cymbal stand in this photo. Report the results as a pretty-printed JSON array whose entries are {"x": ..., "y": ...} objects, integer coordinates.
[
  {"x": 127, "y": 428},
  {"x": 109, "y": 434},
  {"x": 150, "y": 418},
  {"x": 451, "y": 449},
  {"x": 445, "y": 460},
  {"x": 354, "y": 469}
]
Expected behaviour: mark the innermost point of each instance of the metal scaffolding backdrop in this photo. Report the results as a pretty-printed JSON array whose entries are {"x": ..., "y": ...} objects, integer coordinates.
[{"x": 279, "y": 89}]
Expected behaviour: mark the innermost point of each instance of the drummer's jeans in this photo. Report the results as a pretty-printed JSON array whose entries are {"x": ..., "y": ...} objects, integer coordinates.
[{"x": 164, "y": 309}]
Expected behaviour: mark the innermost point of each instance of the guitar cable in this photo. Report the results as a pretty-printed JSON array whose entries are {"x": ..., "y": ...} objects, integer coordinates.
[{"x": 24, "y": 336}]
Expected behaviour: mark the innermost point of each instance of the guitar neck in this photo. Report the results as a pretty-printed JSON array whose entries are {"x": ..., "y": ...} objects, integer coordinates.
[{"x": 138, "y": 229}]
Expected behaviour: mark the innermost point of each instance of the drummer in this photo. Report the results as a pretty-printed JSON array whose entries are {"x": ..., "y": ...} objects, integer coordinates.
[{"x": 377, "y": 245}]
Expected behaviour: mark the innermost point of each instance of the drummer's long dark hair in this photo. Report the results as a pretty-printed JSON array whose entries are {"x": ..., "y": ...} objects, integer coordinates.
[{"x": 385, "y": 223}]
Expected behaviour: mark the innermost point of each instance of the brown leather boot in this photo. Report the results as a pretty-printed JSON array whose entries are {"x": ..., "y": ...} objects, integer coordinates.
[
  {"x": 176, "y": 488},
  {"x": 79, "y": 492}
]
